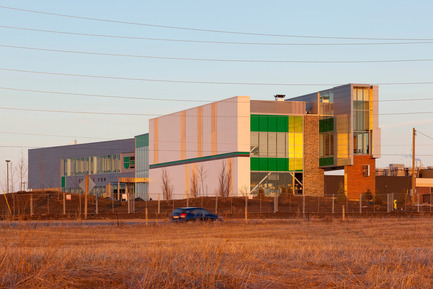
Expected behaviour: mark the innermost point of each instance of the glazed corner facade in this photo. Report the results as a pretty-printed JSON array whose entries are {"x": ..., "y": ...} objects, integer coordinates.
[{"x": 268, "y": 147}]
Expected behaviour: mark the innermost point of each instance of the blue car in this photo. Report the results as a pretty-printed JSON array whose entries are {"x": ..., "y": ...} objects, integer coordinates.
[{"x": 193, "y": 214}]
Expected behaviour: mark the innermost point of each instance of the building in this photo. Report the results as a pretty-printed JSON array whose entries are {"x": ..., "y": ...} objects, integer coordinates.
[
  {"x": 110, "y": 164},
  {"x": 240, "y": 146},
  {"x": 232, "y": 147}
]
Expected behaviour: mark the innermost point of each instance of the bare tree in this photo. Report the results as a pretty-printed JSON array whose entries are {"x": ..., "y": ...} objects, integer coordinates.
[
  {"x": 202, "y": 175},
  {"x": 229, "y": 180},
  {"x": 194, "y": 184},
  {"x": 225, "y": 180},
  {"x": 244, "y": 191},
  {"x": 22, "y": 171},
  {"x": 222, "y": 179},
  {"x": 167, "y": 188}
]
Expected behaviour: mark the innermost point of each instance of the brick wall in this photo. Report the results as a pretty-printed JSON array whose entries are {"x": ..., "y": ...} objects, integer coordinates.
[
  {"x": 356, "y": 182},
  {"x": 314, "y": 179}
]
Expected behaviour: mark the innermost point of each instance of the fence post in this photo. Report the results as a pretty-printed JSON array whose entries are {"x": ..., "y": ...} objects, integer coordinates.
[
  {"x": 31, "y": 205},
  {"x": 48, "y": 204},
  {"x": 97, "y": 209},
  {"x": 318, "y": 204},
  {"x": 417, "y": 202},
  {"x": 303, "y": 205},
  {"x": 342, "y": 211},
  {"x": 216, "y": 204},
  {"x": 260, "y": 196},
  {"x": 146, "y": 215},
  {"x": 246, "y": 209},
  {"x": 333, "y": 203},
  {"x": 64, "y": 204},
  {"x": 360, "y": 203},
  {"x": 159, "y": 204},
  {"x": 275, "y": 203}
]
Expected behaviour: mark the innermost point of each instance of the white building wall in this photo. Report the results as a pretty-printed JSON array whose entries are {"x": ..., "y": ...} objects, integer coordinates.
[{"x": 232, "y": 136}]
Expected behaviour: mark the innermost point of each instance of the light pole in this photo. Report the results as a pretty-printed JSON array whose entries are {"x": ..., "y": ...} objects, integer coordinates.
[{"x": 7, "y": 176}]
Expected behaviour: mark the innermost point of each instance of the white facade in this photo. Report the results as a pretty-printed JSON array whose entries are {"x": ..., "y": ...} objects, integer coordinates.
[{"x": 198, "y": 140}]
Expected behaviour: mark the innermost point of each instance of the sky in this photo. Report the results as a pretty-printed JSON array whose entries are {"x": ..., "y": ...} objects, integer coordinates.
[{"x": 126, "y": 64}]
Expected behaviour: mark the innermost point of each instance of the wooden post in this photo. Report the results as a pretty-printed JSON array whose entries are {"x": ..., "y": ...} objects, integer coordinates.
[
  {"x": 260, "y": 196},
  {"x": 118, "y": 190},
  {"x": 159, "y": 204},
  {"x": 85, "y": 196},
  {"x": 79, "y": 205},
  {"x": 342, "y": 212},
  {"x": 303, "y": 205},
  {"x": 146, "y": 215},
  {"x": 246, "y": 209},
  {"x": 64, "y": 204},
  {"x": 129, "y": 199},
  {"x": 31, "y": 205},
  {"x": 333, "y": 203},
  {"x": 360, "y": 203},
  {"x": 96, "y": 199},
  {"x": 216, "y": 204},
  {"x": 48, "y": 204}
]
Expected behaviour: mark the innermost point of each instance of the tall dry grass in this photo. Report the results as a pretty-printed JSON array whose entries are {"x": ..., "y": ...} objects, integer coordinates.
[{"x": 391, "y": 253}]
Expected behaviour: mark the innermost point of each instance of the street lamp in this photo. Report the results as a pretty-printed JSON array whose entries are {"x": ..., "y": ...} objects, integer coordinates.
[{"x": 7, "y": 176}]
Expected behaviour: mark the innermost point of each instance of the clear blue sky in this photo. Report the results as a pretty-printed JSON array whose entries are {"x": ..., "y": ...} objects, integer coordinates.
[{"x": 366, "y": 19}]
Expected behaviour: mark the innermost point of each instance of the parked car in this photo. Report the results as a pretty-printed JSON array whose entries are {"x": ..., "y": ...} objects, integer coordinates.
[{"x": 193, "y": 214}]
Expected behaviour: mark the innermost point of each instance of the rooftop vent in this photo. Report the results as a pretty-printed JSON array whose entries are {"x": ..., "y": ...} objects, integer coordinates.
[{"x": 279, "y": 97}]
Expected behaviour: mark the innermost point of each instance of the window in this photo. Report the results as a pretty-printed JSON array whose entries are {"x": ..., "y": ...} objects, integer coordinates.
[{"x": 366, "y": 170}]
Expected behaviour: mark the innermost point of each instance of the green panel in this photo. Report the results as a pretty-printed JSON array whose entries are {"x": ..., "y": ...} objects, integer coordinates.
[
  {"x": 142, "y": 140},
  {"x": 272, "y": 123},
  {"x": 263, "y": 123},
  {"x": 254, "y": 163},
  {"x": 282, "y": 123},
  {"x": 63, "y": 182},
  {"x": 326, "y": 162},
  {"x": 254, "y": 122},
  {"x": 263, "y": 164},
  {"x": 272, "y": 164},
  {"x": 326, "y": 125},
  {"x": 282, "y": 165}
]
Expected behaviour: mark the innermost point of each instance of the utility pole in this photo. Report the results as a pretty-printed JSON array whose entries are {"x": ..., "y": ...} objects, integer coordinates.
[{"x": 413, "y": 166}]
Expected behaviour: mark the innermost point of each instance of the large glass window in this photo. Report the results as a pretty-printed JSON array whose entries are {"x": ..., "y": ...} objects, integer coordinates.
[
  {"x": 361, "y": 118},
  {"x": 90, "y": 165}
]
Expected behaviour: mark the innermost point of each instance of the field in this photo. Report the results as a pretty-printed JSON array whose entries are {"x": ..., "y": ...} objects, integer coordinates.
[{"x": 326, "y": 253}]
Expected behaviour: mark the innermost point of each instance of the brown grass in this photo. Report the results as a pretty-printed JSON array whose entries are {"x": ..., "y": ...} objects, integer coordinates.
[{"x": 391, "y": 253}]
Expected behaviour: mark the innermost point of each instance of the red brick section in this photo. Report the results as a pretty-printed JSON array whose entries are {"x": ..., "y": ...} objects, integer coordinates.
[{"x": 356, "y": 182}]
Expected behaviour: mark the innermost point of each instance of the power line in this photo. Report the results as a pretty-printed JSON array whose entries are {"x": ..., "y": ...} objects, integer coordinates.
[
  {"x": 218, "y": 60},
  {"x": 215, "y": 42},
  {"x": 79, "y": 112},
  {"x": 105, "y": 96},
  {"x": 424, "y": 135},
  {"x": 208, "y": 30},
  {"x": 160, "y": 99},
  {"x": 201, "y": 82},
  {"x": 50, "y": 135},
  {"x": 156, "y": 115}
]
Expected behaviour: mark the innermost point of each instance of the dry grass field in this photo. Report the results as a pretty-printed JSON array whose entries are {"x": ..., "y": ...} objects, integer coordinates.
[{"x": 362, "y": 253}]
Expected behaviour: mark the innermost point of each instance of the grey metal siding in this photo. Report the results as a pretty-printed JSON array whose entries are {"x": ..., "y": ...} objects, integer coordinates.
[{"x": 44, "y": 163}]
